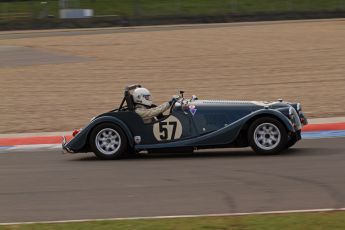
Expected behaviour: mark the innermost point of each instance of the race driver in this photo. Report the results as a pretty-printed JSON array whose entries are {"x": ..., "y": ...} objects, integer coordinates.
[{"x": 143, "y": 105}]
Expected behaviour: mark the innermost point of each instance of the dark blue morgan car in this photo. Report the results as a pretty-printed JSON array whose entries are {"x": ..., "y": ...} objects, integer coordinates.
[{"x": 267, "y": 127}]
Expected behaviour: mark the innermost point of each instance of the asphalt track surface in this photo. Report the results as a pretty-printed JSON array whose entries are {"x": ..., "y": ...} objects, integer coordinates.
[{"x": 48, "y": 186}]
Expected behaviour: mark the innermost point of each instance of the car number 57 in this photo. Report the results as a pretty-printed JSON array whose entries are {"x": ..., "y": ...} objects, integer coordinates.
[{"x": 168, "y": 129}]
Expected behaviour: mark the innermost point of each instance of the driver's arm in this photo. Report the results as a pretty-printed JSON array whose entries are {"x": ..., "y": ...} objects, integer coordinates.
[{"x": 153, "y": 112}]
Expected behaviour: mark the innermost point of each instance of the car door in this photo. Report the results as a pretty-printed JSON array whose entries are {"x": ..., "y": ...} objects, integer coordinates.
[
  {"x": 173, "y": 127},
  {"x": 176, "y": 126}
]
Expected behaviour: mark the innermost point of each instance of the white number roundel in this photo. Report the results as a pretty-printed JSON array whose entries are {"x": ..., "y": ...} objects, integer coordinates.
[{"x": 168, "y": 129}]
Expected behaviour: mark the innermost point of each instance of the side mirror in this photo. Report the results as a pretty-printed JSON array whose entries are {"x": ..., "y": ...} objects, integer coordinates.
[{"x": 181, "y": 93}]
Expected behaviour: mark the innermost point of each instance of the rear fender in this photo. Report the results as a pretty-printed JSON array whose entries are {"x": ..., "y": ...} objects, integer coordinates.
[{"x": 79, "y": 142}]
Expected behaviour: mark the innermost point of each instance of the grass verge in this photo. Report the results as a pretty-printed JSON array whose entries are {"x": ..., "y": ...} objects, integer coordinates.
[
  {"x": 303, "y": 221},
  {"x": 154, "y": 8}
]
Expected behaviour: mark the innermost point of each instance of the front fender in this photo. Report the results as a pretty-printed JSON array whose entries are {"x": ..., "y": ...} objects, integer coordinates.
[
  {"x": 79, "y": 142},
  {"x": 270, "y": 112},
  {"x": 230, "y": 132}
]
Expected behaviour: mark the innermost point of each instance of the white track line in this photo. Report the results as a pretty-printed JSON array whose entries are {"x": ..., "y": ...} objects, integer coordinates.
[
  {"x": 180, "y": 216},
  {"x": 44, "y": 147},
  {"x": 25, "y": 148},
  {"x": 35, "y": 147}
]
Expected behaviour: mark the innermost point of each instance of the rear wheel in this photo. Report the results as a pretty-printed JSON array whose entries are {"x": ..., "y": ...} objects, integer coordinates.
[
  {"x": 108, "y": 141},
  {"x": 267, "y": 136}
]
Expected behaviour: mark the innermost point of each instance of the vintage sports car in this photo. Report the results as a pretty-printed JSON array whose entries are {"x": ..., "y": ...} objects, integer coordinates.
[{"x": 267, "y": 127}]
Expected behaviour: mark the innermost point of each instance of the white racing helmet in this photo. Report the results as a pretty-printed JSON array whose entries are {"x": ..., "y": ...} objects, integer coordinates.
[{"x": 142, "y": 96}]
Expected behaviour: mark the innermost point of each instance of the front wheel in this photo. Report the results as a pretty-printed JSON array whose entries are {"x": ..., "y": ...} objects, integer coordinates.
[
  {"x": 108, "y": 141},
  {"x": 267, "y": 136}
]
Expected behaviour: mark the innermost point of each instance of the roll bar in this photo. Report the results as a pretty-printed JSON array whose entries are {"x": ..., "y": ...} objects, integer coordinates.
[{"x": 128, "y": 97}]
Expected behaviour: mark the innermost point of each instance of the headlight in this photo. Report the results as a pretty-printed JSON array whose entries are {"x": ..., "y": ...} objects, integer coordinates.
[{"x": 294, "y": 118}]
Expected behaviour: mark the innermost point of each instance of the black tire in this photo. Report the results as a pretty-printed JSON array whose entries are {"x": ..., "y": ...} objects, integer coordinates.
[
  {"x": 293, "y": 139},
  {"x": 116, "y": 151},
  {"x": 290, "y": 143},
  {"x": 266, "y": 140}
]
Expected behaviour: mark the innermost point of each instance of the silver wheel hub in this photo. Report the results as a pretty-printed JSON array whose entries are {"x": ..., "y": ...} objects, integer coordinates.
[
  {"x": 108, "y": 141},
  {"x": 267, "y": 136}
]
